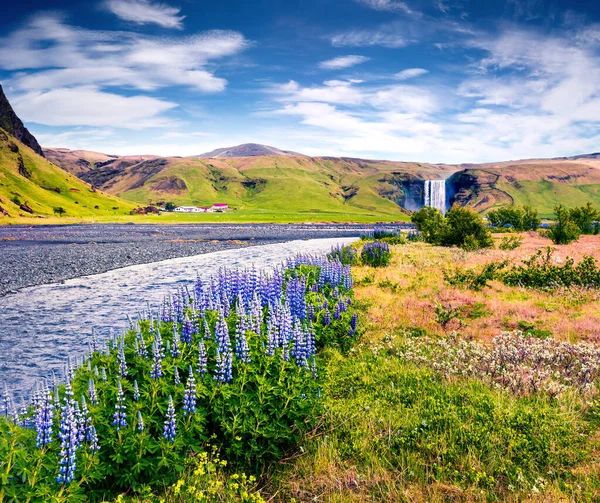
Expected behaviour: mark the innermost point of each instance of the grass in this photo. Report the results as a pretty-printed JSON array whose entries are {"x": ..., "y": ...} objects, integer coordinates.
[{"x": 396, "y": 432}]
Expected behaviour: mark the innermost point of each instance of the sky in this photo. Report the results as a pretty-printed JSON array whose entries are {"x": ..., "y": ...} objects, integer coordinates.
[{"x": 452, "y": 81}]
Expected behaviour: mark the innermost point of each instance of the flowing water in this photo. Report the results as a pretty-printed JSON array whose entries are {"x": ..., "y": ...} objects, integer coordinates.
[
  {"x": 41, "y": 326},
  {"x": 435, "y": 194}
]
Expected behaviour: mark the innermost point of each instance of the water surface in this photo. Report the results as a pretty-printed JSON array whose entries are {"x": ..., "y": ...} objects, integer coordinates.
[{"x": 41, "y": 326}]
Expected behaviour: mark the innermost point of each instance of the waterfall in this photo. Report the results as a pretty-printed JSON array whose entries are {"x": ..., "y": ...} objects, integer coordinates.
[{"x": 435, "y": 194}]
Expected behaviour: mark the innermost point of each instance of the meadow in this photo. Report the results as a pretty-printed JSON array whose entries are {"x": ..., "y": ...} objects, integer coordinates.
[{"x": 402, "y": 383}]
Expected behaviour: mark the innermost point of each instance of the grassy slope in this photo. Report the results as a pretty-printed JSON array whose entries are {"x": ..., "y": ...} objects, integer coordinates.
[
  {"x": 395, "y": 432},
  {"x": 38, "y": 189}
]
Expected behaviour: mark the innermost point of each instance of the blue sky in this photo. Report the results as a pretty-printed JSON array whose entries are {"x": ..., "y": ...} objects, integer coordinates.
[{"x": 420, "y": 80}]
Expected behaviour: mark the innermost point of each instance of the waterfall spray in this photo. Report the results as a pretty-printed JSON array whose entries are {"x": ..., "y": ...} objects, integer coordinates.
[{"x": 435, "y": 194}]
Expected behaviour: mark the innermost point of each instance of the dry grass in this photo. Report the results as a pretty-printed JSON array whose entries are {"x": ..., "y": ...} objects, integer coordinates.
[{"x": 404, "y": 295}]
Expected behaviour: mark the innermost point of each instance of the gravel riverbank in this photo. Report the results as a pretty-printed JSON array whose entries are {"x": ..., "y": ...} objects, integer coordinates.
[{"x": 32, "y": 256}]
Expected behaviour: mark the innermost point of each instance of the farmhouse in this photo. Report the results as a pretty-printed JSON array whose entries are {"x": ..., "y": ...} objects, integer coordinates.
[
  {"x": 220, "y": 207},
  {"x": 202, "y": 209}
]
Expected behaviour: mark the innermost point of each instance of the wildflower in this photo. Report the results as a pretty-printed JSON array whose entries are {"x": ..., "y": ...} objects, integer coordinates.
[
  {"x": 140, "y": 422},
  {"x": 353, "y": 322},
  {"x": 43, "y": 419},
  {"x": 68, "y": 444},
  {"x": 156, "y": 371},
  {"x": 175, "y": 351},
  {"x": 122, "y": 362},
  {"x": 141, "y": 346},
  {"x": 170, "y": 428},
  {"x": 103, "y": 374},
  {"x": 92, "y": 437},
  {"x": 223, "y": 371},
  {"x": 187, "y": 330},
  {"x": 327, "y": 317},
  {"x": 189, "y": 399},
  {"x": 120, "y": 415},
  {"x": 136, "y": 391},
  {"x": 202, "y": 358},
  {"x": 176, "y": 376}
]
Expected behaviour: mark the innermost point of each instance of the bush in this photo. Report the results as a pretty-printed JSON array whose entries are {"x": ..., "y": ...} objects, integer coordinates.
[
  {"x": 376, "y": 254},
  {"x": 461, "y": 227},
  {"x": 510, "y": 242},
  {"x": 389, "y": 237},
  {"x": 565, "y": 230},
  {"x": 540, "y": 272},
  {"x": 469, "y": 278},
  {"x": 170, "y": 207},
  {"x": 515, "y": 217},
  {"x": 586, "y": 218}
]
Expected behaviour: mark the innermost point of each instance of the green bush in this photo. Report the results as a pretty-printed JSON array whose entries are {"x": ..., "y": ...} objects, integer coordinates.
[
  {"x": 564, "y": 230},
  {"x": 510, "y": 242},
  {"x": 461, "y": 227},
  {"x": 473, "y": 279},
  {"x": 515, "y": 217},
  {"x": 376, "y": 254}
]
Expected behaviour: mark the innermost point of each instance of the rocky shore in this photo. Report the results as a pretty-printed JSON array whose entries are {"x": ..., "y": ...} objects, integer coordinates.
[{"x": 32, "y": 256}]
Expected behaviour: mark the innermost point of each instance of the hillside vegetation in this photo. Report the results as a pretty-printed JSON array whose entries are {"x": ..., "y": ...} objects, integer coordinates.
[{"x": 33, "y": 188}]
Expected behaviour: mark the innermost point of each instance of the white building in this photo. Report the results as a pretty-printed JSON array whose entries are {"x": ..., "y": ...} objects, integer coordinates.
[{"x": 189, "y": 209}]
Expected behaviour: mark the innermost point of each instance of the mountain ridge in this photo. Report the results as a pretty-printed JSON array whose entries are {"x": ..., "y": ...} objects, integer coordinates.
[{"x": 10, "y": 122}]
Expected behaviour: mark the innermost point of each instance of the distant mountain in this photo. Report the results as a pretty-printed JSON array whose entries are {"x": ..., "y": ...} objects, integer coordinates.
[
  {"x": 247, "y": 150},
  {"x": 14, "y": 126},
  {"x": 267, "y": 179}
]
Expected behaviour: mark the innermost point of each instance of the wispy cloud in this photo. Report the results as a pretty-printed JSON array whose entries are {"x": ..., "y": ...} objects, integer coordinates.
[
  {"x": 342, "y": 62},
  {"x": 385, "y": 36},
  {"x": 410, "y": 73},
  {"x": 146, "y": 12},
  {"x": 92, "y": 107},
  {"x": 387, "y": 5}
]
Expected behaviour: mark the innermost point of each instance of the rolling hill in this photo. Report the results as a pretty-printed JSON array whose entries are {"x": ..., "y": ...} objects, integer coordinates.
[{"x": 279, "y": 182}]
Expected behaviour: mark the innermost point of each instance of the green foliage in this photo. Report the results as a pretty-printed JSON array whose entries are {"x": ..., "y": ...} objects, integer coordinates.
[
  {"x": 376, "y": 254},
  {"x": 445, "y": 314},
  {"x": 519, "y": 218},
  {"x": 461, "y": 227},
  {"x": 344, "y": 254},
  {"x": 431, "y": 224},
  {"x": 472, "y": 279},
  {"x": 565, "y": 230},
  {"x": 59, "y": 210},
  {"x": 385, "y": 414},
  {"x": 586, "y": 218},
  {"x": 510, "y": 242},
  {"x": 170, "y": 206},
  {"x": 540, "y": 271},
  {"x": 389, "y": 237}
]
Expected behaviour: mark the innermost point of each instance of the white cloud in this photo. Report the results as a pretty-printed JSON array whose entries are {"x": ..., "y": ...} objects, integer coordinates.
[
  {"x": 410, "y": 73},
  {"x": 342, "y": 62},
  {"x": 51, "y": 54},
  {"x": 384, "y": 37},
  {"x": 146, "y": 12},
  {"x": 387, "y": 5},
  {"x": 87, "y": 106}
]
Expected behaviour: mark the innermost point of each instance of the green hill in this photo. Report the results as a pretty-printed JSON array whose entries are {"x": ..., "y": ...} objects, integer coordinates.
[{"x": 31, "y": 187}]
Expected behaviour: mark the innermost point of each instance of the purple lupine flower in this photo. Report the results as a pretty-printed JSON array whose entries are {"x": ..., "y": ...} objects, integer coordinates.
[
  {"x": 207, "y": 334},
  {"x": 96, "y": 373},
  {"x": 353, "y": 322},
  {"x": 120, "y": 415},
  {"x": 310, "y": 312},
  {"x": 271, "y": 337},
  {"x": 189, "y": 398},
  {"x": 43, "y": 419},
  {"x": 92, "y": 392},
  {"x": 136, "y": 391},
  {"x": 187, "y": 330},
  {"x": 142, "y": 350},
  {"x": 313, "y": 368},
  {"x": 202, "y": 359},
  {"x": 122, "y": 362},
  {"x": 94, "y": 341},
  {"x": 310, "y": 338},
  {"x": 140, "y": 422},
  {"x": 156, "y": 371},
  {"x": 103, "y": 374},
  {"x": 223, "y": 370},
  {"x": 327, "y": 317},
  {"x": 176, "y": 377},
  {"x": 170, "y": 427},
  {"x": 299, "y": 350},
  {"x": 92, "y": 437},
  {"x": 337, "y": 313},
  {"x": 241, "y": 343},
  {"x": 67, "y": 433},
  {"x": 175, "y": 350},
  {"x": 85, "y": 422}
]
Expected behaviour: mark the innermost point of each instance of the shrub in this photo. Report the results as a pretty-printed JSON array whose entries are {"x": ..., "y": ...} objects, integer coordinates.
[
  {"x": 461, "y": 227},
  {"x": 510, "y": 242},
  {"x": 376, "y": 254},
  {"x": 520, "y": 219},
  {"x": 586, "y": 218},
  {"x": 389, "y": 237},
  {"x": 472, "y": 279},
  {"x": 565, "y": 230},
  {"x": 170, "y": 206},
  {"x": 539, "y": 271}
]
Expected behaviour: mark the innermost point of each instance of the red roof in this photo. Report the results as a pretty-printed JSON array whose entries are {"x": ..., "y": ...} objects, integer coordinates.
[{"x": 220, "y": 204}]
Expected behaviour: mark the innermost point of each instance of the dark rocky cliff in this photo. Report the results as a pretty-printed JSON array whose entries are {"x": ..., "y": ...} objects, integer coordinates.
[{"x": 14, "y": 126}]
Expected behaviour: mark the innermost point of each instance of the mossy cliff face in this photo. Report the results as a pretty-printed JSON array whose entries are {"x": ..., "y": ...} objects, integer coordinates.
[
  {"x": 404, "y": 189},
  {"x": 14, "y": 126}
]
